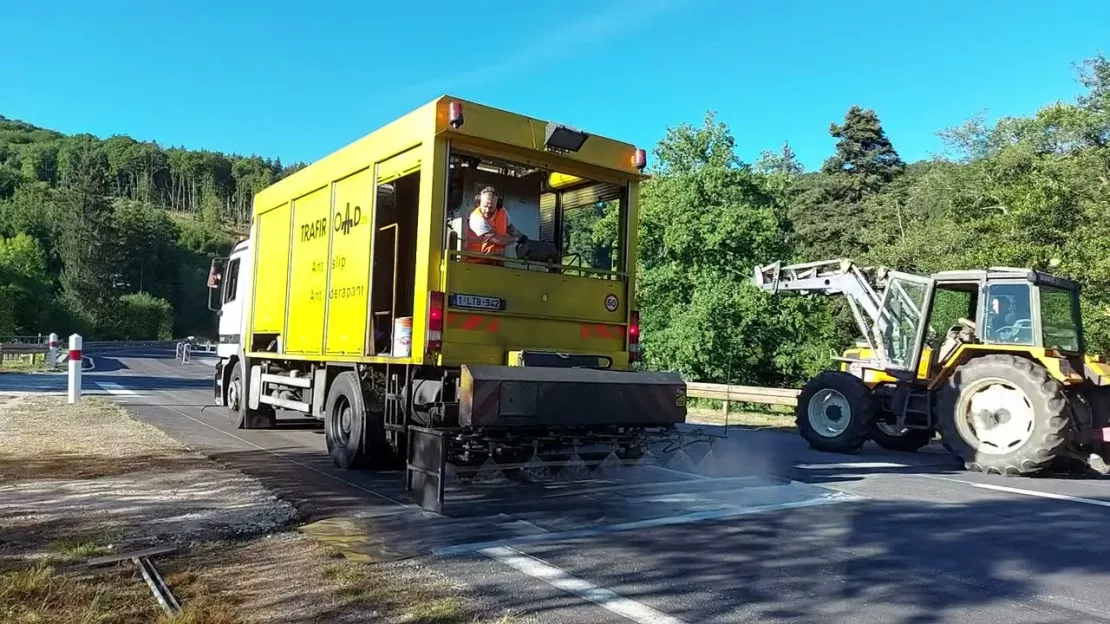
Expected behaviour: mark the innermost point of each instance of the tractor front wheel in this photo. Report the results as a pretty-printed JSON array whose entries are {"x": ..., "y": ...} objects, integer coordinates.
[
  {"x": 1003, "y": 414},
  {"x": 835, "y": 412}
]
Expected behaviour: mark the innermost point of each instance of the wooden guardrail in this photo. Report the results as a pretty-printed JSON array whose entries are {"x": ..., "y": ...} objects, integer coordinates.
[{"x": 742, "y": 394}]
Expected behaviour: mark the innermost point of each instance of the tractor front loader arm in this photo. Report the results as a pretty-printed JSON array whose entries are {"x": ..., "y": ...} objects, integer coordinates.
[{"x": 861, "y": 286}]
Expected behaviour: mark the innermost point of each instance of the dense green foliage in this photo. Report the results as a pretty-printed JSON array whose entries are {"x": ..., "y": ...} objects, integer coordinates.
[
  {"x": 113, "y": 237},
  {"x": 1023, "y": 192}
]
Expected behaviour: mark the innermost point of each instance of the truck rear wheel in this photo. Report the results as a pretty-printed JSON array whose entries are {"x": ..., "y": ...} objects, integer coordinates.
[
  {"x": 241, "y": 416},
  {"x": 835, "y": 412},
  {"x": 355, "y": 435},
  {"x": 1003, "y": 414}
]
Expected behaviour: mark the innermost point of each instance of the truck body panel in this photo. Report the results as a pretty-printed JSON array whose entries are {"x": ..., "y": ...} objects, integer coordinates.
[
  {"x": 271, "y": 240},
  {"x": 324, "y": 244}
]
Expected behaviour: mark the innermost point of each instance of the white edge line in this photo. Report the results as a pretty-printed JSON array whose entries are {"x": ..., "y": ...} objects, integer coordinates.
[
  {"x": 560, "y": 579},
  {"x": 1013, "y": 490},
  {"x": 850, "y": 465},
  {"x": 718, "y": 514},
  {"x": 292, "y": 461},
  {"x": 114, "y": 388}
]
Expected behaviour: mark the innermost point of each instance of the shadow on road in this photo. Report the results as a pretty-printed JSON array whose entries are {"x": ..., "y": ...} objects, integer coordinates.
[
  {"x": 108, "y": 364},
  {"x": 921, "y": 561}
]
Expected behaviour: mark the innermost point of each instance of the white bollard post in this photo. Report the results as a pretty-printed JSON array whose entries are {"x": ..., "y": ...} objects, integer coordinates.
[
  {"x": 52, "y": 354},
  {"x": 75, "y": 359}
]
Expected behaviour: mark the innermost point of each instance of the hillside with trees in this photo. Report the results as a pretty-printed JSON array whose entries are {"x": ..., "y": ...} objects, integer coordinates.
[{"x": 112, "y": 237}]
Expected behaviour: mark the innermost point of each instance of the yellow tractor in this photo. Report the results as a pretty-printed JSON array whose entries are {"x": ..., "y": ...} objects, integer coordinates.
[{"x": 993, "y": 359}]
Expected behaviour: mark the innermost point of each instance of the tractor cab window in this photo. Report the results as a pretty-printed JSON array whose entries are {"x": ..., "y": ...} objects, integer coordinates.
[
  {"x": 525, "y": 216},
  {"x": 951, "y": 302},
  {"x": 1059, "y": 322},
  {"x": 1007, "y": 319}
]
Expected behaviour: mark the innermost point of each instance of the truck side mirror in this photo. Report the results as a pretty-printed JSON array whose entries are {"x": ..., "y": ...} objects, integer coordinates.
[{"x": 215, "y": 280}]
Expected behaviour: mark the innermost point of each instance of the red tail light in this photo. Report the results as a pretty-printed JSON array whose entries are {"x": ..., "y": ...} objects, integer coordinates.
[
  {"x": 455, "y": 114},
  {"x": 634, "y": 336},
  {"x": 435, "y": 320}
]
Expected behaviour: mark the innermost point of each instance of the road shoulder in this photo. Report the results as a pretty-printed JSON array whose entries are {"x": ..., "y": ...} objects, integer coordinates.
[{"x": 88, "y": 480}]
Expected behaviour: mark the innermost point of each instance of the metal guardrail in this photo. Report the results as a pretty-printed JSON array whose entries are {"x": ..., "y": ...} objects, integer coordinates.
[
  {"x": 105, "y": 345},
  {"x": 743, "y": 394},
  {"x": 36, "y": 339}
]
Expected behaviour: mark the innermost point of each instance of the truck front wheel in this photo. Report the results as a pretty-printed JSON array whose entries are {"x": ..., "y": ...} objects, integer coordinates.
[
  {"x": 241, "y": 416},
  {"x": 355, "y": 435}
]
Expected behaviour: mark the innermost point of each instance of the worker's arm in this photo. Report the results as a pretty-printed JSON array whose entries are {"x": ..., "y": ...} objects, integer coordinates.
[{"x": 486, "y": 234}]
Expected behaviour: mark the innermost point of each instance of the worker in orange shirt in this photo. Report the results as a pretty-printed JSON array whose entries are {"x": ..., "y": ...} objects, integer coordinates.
[{"x": 489, "y": 229}]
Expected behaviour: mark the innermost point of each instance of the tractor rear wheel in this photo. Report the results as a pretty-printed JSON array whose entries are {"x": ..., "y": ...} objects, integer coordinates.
[
  {"x": 1003, "y": 414},
  {"x": 835, "y": 412},
  {"x": 906, "y": 440}
]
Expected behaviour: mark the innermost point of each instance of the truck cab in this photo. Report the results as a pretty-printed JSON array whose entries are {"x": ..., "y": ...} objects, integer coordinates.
[{"x": 229, "y": 291}]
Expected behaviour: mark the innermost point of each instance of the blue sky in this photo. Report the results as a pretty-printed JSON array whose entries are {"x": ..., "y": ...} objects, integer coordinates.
[{"x": 297, "y": 80}]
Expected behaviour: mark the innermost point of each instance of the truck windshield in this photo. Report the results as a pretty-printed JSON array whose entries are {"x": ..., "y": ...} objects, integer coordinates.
[{"x": 524, "y": 216}]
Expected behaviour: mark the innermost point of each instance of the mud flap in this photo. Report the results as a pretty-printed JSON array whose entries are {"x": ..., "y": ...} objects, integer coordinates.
[
  {"x": 425, "y": 467},
  {"x": 523, "y": 396},
  {"x": 218, "y": 386}
]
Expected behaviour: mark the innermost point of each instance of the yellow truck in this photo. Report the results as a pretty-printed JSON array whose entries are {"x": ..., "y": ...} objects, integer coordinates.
[{"x": 365, "y": 298}]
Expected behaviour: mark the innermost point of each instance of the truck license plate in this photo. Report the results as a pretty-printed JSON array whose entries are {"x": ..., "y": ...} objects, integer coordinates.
[{"x": 476, "y": 302}]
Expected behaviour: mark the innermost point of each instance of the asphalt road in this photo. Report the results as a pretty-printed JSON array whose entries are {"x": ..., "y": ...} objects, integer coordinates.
[{"x": 776, "y": 533}]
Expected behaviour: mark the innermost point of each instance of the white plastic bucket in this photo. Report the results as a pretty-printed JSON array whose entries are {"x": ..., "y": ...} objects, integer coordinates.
[{"x": 402, "y": 337}]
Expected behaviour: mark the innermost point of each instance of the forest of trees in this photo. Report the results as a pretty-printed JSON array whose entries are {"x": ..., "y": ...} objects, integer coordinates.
[{"x": 112, "y": 237}]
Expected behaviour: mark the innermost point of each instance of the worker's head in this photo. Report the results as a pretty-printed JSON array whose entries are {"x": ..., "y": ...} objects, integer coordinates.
[
  {"x": 487, "y": 201},
  {"x": 999, "y": 305}
]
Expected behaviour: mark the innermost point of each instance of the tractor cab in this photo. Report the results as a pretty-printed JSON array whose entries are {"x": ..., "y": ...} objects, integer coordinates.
[{"x": 999, "y": 309}]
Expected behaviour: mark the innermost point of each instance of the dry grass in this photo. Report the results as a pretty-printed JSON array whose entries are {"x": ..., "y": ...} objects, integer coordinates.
[
  {"x": 44, "y": 437},
  {"x": 755, "y": 420},
  {"x": 22, "y": 365},
  {"x": 42, "y": 593}
]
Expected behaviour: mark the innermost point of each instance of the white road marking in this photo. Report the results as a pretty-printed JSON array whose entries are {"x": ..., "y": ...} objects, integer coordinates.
[
  {"x": 702, "y": 516},
  {"x": 292, "y": 461},
  {"x": 558, "y": 578},
  {"x": 851, "y": 465},
  {"x": 1013, "y": 490},
  {"x": 114, "y": 388}
]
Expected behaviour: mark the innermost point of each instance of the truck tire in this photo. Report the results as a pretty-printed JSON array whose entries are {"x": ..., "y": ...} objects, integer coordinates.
[
  {"x": 835, "y": 412},
  {"x": 355, "y": 435},
  {"x": 241, "y": 416},
  {"x": 908, "y": 440},
  {"x": 1003, "y": 414}
]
